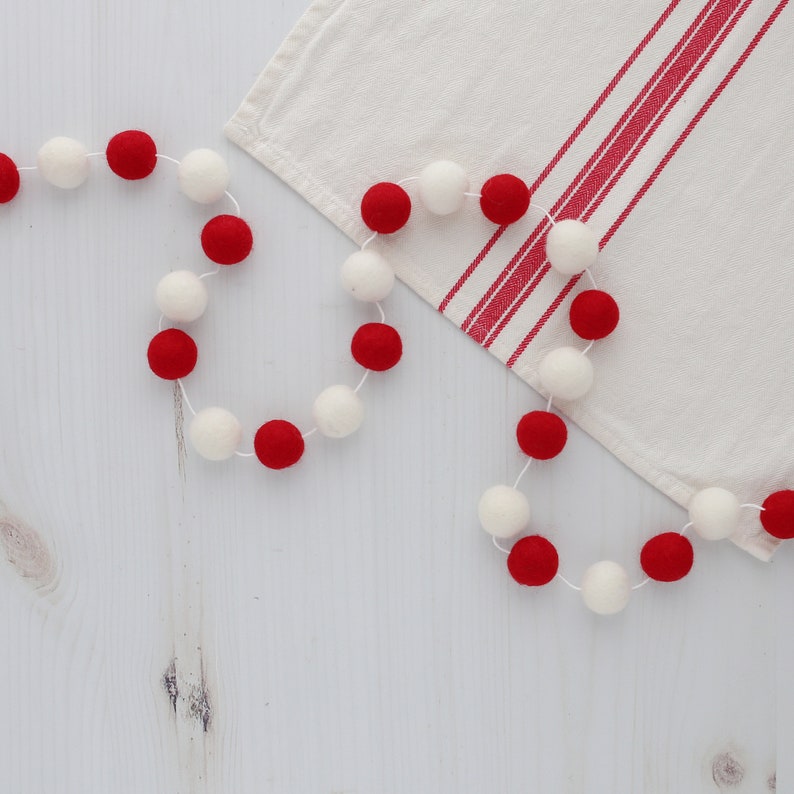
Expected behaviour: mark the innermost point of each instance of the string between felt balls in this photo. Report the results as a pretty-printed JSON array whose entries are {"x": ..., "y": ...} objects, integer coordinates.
[
  {"x": 362, "y": 381},
  {"x": 522, "y": 472},
  {"x": 166, "y": 157},
  {"x": 570, "y": 584},
  {"x": 210, "y": 273}
]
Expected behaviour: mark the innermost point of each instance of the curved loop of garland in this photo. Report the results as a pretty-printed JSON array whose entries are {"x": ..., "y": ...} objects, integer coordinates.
[
  {"x": 182, "y": 295},
  {"x": 565, "y": 372}
]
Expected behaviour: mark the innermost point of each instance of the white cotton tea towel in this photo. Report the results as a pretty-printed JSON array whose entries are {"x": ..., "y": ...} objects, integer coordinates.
[{"x": 665, "y": 125}]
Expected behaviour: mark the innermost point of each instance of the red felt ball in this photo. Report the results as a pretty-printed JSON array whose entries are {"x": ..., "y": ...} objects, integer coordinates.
[
  {"x": 131, "y": 154},
  {"x": 541, "y": 434},
  {"x": 504, "y": 199},
  {"x": 533, "y": 561},
  {"x": 376, "y": 346},
  {"x": 227, "y": 239},
  {"x": 172, "y": 354},
  {"x": 278, "y": 444},
  {"x": 777, "y": 517},
  {"x": 385, "y": 207},
  {"x": 667, "y": 557},
  {"x": 9, "y": 179},
  {"x": 594, "y": 314}
]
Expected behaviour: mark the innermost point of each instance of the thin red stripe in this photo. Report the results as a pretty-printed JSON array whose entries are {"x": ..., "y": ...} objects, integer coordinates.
[
  {"x": 604, "y": 96},
  {"x": 629, "y": 142},
  {"x": 471, "y": 268},
  {"x": 618, "y": 173},
  {"x": 524, "y": 267},
  {"x": 565, "y": 146},
  {"x": 732, "y": 72}
]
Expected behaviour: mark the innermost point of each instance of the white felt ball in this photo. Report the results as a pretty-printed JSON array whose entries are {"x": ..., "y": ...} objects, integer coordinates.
[
  {"x": 503, "y": 511},
  {"x": 606, "y": 588},
  {"x": 442, "y": 186},
  {"x": 366, "y": 275},
  {"x": 338, "y": 411},
  {"x": 203, "y": 176},
  {"x": 566, "y": 373},
  {"x": 215, "y": 433},
  {"x": 714, "y": 513},
  {"x": 571, "y": 247},
  {"x": 63, "y": 162},
  {"x": 181, "y": 296}
]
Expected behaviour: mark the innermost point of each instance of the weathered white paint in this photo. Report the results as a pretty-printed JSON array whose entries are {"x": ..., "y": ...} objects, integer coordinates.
[{"x": 343, "y": 626}]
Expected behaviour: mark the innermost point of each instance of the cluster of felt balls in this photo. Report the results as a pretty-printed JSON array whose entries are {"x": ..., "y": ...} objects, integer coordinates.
[
  {"x": 567, "y": 374},
  {"x": 714, "y": 514},
  {"x": 182, "y": 295}
]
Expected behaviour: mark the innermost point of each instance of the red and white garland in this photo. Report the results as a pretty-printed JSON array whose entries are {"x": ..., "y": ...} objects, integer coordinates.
[
  {"x": 565, "y": 372},
  {"x": 182, "y": 296}
]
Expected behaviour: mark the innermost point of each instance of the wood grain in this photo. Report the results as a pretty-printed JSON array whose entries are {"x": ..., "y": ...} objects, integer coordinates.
[{"x": 172, "y": 625}]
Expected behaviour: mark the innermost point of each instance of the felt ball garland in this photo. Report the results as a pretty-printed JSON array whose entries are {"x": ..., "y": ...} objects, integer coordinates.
[
  {"x": 226, "y": 240},
  {"x": 566, "y": 374}
]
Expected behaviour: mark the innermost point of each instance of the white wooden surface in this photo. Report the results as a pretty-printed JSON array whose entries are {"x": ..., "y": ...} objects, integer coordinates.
[{"x": 343, "y": 626}]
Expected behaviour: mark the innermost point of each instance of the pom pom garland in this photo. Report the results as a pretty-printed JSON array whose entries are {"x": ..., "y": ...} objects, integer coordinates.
[
  {"x": 131, "y": 154},
  {"x": 566, "y": 373},
  {"x": 182, "y": 296}
]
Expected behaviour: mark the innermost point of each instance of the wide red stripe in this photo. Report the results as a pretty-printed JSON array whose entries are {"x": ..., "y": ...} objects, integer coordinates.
[
  {"x": 565, "y": 146},
  {"x": 671, "y": 152},
  {"x": 604, "y": 96},
  {"x": 627, "y": 144},
  {"x": 480, "y": 331},
  {"x": 616, "y": 175}
]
